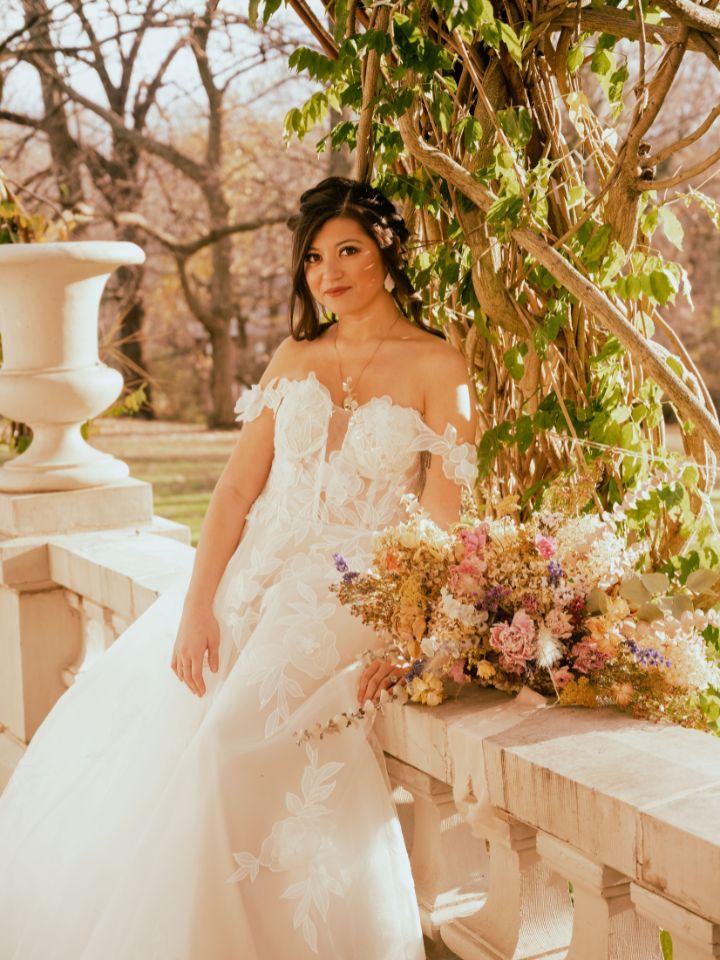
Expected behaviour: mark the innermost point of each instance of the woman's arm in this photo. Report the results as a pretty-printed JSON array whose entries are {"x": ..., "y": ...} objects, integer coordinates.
[
  {"x": 450, "y": 399},
  {"x": 237, "y": 488}
]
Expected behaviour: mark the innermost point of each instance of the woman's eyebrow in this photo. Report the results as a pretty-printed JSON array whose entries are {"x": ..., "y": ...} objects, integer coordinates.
[{"x": 340, "y": 242}]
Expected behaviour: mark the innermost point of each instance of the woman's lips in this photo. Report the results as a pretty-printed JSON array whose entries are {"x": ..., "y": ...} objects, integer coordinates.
[{"x": 336, "y": 291}]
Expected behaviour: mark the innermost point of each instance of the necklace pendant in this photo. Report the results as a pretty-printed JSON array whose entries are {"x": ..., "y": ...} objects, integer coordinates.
[{"x": 349, "y": 402}]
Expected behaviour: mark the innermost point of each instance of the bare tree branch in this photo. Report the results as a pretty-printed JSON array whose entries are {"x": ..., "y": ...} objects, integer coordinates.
[
  {"x": 657, "y": 158},
  {"x": 679, "y": 178},
  {"x": 186, "y": 248}
]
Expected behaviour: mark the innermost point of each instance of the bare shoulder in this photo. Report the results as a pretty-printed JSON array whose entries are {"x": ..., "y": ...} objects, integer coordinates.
[
  {"x": 450, "y": 392},
  {"x": 441, "y": 356},
  {"x": 289, "y": 360}
]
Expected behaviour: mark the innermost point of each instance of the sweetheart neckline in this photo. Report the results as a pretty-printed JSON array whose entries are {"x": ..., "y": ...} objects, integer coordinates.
[{"x": 312, "y": 376}]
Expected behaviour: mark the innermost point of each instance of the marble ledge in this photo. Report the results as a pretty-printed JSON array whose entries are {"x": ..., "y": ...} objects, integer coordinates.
[{"x": 639, "y": 798}]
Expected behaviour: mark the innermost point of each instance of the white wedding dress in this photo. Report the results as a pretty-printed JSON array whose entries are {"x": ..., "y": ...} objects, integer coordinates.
[{"x": 144, "y": 823}]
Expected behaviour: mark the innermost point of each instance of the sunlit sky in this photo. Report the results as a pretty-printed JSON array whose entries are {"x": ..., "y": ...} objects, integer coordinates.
[{"x": 270, "y": 87}]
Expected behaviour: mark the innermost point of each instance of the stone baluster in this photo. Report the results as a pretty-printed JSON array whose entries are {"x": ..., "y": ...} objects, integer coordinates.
[
  {"x": 449, "y": 865},
  {"x": 528, "y": 913},
  {"x": 693, "y": 937},
  {"x": 605, "y": 923}
]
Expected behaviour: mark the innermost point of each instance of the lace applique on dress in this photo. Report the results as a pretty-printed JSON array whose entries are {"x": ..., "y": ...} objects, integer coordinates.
[
  {"x": 459, "y": 459},
  {"x": 304, "y": 842},
  {"x": 253, "y": 400}
]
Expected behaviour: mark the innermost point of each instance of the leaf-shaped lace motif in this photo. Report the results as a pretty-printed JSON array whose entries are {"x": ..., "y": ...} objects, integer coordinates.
[
  {"x": 459, "y": 460},
  {"x": 302, "y": 841},
  {"x": 253, "y": 400}
]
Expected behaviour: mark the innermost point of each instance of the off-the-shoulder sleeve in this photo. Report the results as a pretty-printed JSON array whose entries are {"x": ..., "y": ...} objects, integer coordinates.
[
  {"x": 459, "y": 460},
  {"x": 253, "y": 400}
]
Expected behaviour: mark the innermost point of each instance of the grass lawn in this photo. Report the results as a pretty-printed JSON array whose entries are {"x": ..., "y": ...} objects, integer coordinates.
[{"x": 183, "y": 462}]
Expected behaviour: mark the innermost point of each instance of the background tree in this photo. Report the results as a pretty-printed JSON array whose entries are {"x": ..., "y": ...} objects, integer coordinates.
[
  {"x": 105, "y": 115},
  {"x": 535, "y": 210}
]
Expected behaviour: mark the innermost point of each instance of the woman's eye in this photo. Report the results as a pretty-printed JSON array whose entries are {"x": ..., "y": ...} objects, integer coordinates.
[
  {"x": 310, "y": 258},
  {"x": 351, "y": 249}
]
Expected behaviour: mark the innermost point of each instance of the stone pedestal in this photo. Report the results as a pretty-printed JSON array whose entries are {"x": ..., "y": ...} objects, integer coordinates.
[
  {"x": 121, "y": 504},
  {"x": 51, "y": 376}
]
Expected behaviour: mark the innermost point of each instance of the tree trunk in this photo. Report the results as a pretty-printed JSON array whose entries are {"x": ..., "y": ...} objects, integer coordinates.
[{"x": 222, "y": 377}]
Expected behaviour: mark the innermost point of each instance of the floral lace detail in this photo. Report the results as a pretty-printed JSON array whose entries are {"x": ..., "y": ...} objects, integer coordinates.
[
  {"x": 253, "y": 400},
  {"x": 360, "y": 483},
  {"x": 459, "y": 459},
  {"x": 302, "y": 842},
  {"x": 308, "y": 644}
]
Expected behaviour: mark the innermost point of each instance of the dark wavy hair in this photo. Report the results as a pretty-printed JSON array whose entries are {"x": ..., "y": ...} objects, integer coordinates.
[{"x": 342, "y": 197}]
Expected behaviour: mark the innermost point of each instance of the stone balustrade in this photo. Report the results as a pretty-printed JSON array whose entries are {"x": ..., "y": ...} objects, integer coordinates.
[
  {"x": 64, "y": 598},
  {"x": 600, "y": 829},
  {"x": 534, "y": 831}
]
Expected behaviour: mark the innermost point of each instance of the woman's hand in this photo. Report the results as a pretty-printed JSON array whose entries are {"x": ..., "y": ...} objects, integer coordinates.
[
  {"x": 379, "y": 675},
  {"x": 198, "y": 632}
]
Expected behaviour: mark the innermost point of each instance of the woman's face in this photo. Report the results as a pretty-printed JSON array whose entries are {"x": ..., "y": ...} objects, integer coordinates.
[{"x": 343, "y": 267}]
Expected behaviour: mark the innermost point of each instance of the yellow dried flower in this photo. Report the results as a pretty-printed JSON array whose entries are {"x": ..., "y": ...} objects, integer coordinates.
[
  {"x": 485, "y": 670},
  {"x": 427, "y": 690},
  {"x": 622, "y": 693},
  {"x": 580, "y": 693}
]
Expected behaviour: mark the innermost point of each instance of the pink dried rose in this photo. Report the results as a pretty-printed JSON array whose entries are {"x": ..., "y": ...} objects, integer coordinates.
[
  {"x": 457, "y": 671},
  {"x": 559, "y": 623},
  {"x": 474, "y": 540},
  {"x": 515, "y": 641},
  {"x": 545, "y": 546},
  {"x": 467, "y": 576},
  {"x": 562, "y": 677},
  {"x": 588, "y": 658}
]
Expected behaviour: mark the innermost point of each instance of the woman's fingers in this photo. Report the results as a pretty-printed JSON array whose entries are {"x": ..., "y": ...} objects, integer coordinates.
[
  {"x": 199, "y": 683},
  {"x": 214, "y": 651},
  {"x": 368, "y": 673},
  {"x": 377, "y": 676}
]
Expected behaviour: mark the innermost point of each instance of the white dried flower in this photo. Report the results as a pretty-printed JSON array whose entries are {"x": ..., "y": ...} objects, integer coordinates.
[{"x": 549, "y": 648}]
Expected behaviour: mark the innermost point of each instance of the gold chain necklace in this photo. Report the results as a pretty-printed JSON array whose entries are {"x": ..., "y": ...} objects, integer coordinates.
[{"x": 350, "y": 402}]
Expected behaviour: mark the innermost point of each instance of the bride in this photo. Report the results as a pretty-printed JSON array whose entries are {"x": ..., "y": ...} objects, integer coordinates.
[{"x": 164, "y": 810}]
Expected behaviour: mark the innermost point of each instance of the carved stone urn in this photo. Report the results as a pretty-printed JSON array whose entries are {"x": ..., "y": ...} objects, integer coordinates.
[{"x": 51, "y": 376}]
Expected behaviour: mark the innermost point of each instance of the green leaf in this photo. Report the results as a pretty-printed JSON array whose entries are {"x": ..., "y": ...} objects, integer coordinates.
[
  {"x": 597, "y": 245},
  {"x": 511, "y": 41},
  {"x": 271, "y": 7},
  {"x": 672, "y": 228},
  {"x": 575, "y": 58},
  {"x": 514, "y": 360},
  {"x": 517, "y": 125},
  {"x": 662, "y": 286},
  {"x": 253, "y": 7},
  {"x": 602, "y": 62},
  {"x": 576, "y": 195},
  {"x": 666, "y": 945},
  {"x": 524, "y": 433}
]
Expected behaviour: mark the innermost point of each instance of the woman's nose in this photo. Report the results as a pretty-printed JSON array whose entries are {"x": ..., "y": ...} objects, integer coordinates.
[{"x": 332, "y": 270}]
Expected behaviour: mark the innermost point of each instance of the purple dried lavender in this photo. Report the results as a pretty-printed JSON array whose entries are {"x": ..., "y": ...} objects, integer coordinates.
[
  {"x": 493, "y": 598},
  {"x": 415, "y": 670},
  {"x": 647, "y": 656},
  {"x": 555, "y": 572},
  {"x": 340, "y": 563}
]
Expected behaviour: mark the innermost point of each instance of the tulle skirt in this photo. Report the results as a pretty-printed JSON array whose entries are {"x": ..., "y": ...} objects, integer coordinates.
[{"x": 144, "y": 823}]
